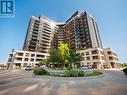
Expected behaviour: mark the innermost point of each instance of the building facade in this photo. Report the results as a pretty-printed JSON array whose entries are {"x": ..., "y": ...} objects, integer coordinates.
[
  {"x": 58, "y": 36},
  {"x": 93, "y": 57},
  {"x": 111, "y": 58},
  {"x": 81, "y": 33},
  {"x": 39, "y": 34},
  {"x": 23, "y": 58}
]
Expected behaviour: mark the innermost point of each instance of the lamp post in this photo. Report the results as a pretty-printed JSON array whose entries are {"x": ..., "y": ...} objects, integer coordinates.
[{"x": 10, "y": 65}]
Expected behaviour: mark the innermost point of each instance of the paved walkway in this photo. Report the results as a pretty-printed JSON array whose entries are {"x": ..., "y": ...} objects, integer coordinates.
[{"x": 112, "y": 83}]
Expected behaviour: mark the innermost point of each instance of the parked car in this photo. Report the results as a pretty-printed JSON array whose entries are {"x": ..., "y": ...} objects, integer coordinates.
[
  {"x": 86, "y": 67},
  {"x": 28, "y": 68},
  {"x": 44, "y": 67}
]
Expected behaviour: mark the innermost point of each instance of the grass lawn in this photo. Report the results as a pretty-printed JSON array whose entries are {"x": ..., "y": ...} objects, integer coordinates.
[{"x": 95, "y": 73}]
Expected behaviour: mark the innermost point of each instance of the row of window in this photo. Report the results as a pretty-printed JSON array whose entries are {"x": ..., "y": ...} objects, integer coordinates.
[
  {"x": 111, "y": 53},
  {"x": 32, "y": 55},
  {"x": 112, "y": 58},
  {"x": 27, "y": 59},
  {"x": 95, "y": 57},
  {"x": 92, "y": 52}
]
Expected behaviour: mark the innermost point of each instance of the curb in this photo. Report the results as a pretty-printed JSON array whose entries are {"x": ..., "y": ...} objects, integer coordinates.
[{"x": 69, "y": 78}]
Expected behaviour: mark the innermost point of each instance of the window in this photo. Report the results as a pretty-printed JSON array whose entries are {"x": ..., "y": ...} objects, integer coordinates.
[
  {"x": 20, "y": 54},
  {"x": 32, "y": 59},
  {"x": 27, "y": 54},
  {"x": 32, "y": 55},
  {"x": 109, "y": 52},
  {"x": 82, "y": 54},
  {"x": 110, "y": 58},
  {"x": 10, "y": 55},
  {"x": 26, "y": 59},
  {"x": 87, "y": 53},
  {"x": 95, "y": 57},
  {"x": 38, "y": 60},
  {"x": 87, "y": 58},
  {"x": 19, "y": 59},
  {"x": 94, "y": 52},
  {"x": 40, "y": 55}
]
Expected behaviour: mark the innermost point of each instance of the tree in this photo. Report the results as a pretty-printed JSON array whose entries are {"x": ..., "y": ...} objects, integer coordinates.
[
  {"x": 74, "y": 58},
  {"x": 64, "y": 53},
  {"x": 124, "y": 64},
  {"x": 44, "y": 61},
  {"x": 68, "y": 56},
  {"x": 53, "y": 56}
]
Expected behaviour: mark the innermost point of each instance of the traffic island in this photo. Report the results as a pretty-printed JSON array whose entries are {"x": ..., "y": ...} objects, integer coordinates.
[{"x": 66, "y": 73}]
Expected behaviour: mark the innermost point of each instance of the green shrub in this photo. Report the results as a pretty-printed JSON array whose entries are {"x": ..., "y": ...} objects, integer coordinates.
[
  {"x": 74, "y": 73},
  {"x": 81, "y": 72},
  {"x": 40, "y": 71},
  {"x": 95, "y": 73},
  {"x": 125, "y": 70},
  {"x": 67, "y": 73},
  {"x": 18, "y": 68}
]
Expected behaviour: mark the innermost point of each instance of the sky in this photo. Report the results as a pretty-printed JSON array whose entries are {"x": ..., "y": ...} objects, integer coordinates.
[{"x": 110, "y": 15}]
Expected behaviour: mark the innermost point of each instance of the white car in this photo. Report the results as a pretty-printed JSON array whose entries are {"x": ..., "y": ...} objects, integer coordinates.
[
  {"x": 28, "y": 68},
  {"x": 44, "y": 67},
  {"x": 86, "y": 67}
]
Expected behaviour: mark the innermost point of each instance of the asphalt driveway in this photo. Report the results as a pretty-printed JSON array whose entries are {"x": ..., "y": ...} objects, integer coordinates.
[{"x": 22, "y": 83}]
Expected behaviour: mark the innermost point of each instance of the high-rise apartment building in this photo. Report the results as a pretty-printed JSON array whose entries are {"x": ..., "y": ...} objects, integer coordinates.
[
  {"x": 39, "y": 34},
  {"x": 81, "y": 33},
  {"x": 58, "y": 36}
]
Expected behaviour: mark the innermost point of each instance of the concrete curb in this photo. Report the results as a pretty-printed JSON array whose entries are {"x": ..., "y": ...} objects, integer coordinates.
[{"x": 69, "y": 78}]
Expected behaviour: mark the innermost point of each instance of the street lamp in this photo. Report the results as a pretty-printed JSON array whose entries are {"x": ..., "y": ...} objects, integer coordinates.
[{"x": 10, "y": 65}]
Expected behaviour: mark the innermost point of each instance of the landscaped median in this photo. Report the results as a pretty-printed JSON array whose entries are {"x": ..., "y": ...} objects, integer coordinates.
[
  {"x": 125, "y": 71},
  {"x": 95, "y": 73},
  {"x": 66, "y": 73}
]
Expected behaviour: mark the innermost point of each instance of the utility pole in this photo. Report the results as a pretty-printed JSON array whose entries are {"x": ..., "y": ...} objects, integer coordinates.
[{"x": 10, "y": 65}]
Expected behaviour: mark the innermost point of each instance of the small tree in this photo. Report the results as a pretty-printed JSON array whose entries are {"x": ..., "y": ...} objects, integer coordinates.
[
  {"x": 53, "y": 56},
  {"x": 74, "y": 58},
  {"x": 44, "y": 62},
  {"x": 64, "y": 53},
  {"x": 124, "y": 64}
]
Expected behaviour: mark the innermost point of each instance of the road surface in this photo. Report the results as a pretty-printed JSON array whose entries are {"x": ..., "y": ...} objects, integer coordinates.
[{"x": 23, "y": 83}]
